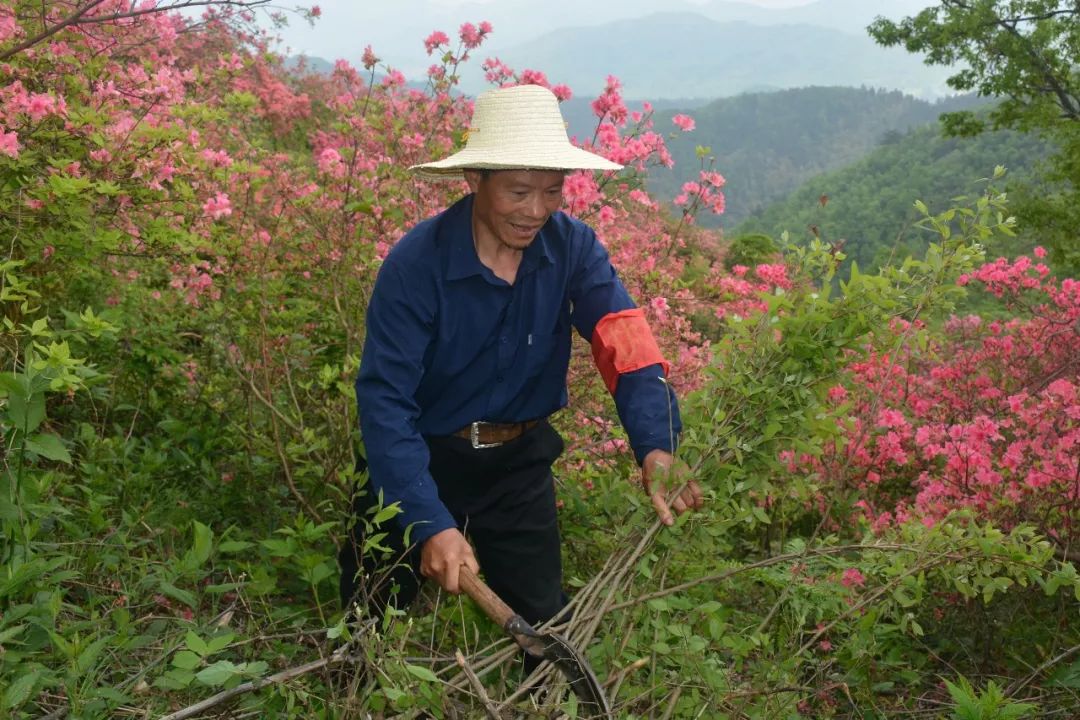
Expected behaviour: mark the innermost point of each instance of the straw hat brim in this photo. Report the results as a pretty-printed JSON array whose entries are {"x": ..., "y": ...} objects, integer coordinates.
[
  {"x": 542, "y": 157},
  {"x": 515, "y": 128}
]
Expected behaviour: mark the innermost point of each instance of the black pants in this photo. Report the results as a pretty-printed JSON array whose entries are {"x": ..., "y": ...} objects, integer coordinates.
[{"x": 503, "y": 498}]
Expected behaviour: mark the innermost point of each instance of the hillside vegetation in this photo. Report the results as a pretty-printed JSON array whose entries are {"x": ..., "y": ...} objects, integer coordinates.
[
  {"x": 768, "y": 144},
  {"x": 868, "y": 206}
]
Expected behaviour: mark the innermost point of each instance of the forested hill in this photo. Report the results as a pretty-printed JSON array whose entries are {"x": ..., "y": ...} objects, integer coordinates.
[
  {"x": 768, "y": 144},
  {"x": 870, "y": 205}
]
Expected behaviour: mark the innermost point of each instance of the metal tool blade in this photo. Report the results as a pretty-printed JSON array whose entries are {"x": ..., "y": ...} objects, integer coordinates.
[{"x": 569, "y": 661}]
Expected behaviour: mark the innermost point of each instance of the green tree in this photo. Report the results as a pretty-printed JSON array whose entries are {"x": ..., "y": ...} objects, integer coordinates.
[{"x": 1023, "y": 52}]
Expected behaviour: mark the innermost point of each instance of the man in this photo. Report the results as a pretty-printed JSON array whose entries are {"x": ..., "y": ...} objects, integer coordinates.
[{"x": 467, "y": 348}]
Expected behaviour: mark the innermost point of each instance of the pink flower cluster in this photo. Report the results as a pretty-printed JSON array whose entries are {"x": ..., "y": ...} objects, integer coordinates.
[
  {"x": 218, "y": 206},
  {"x": 704, "y": 193},
  {"x": 683, "y": 122},
  {"x": 435, "y": 40},
  {"x": 471, "y": 35},
  {"x": 986, "y": 420}
]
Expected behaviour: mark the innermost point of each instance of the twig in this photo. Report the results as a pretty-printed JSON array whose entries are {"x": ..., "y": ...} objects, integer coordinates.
[
  {"x": 477, "y": 686},
  {"x": 673, "y": 701},
  {"x": 340, "y": 655},
  {"x": 1017, "y": 686}
]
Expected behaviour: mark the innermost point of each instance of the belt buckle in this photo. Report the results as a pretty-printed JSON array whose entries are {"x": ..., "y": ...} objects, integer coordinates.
[{"x": 474, "y": 436}]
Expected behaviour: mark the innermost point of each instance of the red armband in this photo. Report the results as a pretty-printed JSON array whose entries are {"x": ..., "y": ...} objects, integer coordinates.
[{"x": 622, "y": 342}]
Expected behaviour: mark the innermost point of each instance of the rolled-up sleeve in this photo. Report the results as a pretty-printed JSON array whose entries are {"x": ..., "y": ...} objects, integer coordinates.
[
  {"x": 646, "y": 404},
  {"x": 400, "y": 323}
]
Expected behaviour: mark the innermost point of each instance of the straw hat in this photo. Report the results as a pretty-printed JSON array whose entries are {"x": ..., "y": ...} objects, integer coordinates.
[{"x": 515, "y": 128}]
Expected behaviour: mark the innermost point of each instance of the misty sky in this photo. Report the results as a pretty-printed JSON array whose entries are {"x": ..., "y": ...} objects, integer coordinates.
[{"x": 396, "y": 29}]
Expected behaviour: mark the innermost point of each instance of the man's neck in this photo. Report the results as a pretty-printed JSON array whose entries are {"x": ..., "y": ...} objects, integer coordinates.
[{"x": 502, "y": 260}]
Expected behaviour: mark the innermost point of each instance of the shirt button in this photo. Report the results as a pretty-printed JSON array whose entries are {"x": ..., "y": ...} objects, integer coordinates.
[
  {"x": 498, "y": 378},
  {"x": 503, "y": 339}
]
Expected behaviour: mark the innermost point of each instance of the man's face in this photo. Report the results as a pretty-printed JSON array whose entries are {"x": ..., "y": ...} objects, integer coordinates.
[{"x": 512, "y": 205}]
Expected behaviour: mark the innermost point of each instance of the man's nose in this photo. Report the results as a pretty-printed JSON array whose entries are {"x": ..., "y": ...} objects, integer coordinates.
[{"x": 537, "y": 208}]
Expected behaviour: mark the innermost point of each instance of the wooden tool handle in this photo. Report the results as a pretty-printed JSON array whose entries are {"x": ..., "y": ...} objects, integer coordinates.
[{"x": 492, "y": 604}]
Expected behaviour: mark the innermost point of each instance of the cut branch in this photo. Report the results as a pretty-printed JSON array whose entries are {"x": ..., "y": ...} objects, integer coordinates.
[{"x": 340, "y": 656}]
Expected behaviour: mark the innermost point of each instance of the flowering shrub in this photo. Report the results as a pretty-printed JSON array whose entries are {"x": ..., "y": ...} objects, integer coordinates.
[{"x": 982, "y": 416}]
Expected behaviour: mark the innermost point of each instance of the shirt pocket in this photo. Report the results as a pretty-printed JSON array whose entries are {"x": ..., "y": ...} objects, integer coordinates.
[{"x": 544, "y": 351}]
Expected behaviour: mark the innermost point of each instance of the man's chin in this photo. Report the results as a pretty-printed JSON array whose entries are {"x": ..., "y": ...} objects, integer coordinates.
[{"x": 517, "y": 242}]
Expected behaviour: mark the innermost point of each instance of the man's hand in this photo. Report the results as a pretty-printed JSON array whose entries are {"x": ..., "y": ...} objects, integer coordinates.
[
  {"x": 660, "y": 474},
  {"x": 443, "y": 554}
]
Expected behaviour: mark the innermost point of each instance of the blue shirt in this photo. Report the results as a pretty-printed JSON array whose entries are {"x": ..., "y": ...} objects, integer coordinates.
[{"x": 449, "y": 343}]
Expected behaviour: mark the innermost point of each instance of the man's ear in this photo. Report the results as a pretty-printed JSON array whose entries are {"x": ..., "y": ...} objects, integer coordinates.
[{"x": 473, "y": 178}]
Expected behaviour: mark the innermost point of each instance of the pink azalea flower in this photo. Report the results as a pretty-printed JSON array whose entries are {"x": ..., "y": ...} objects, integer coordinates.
[
  {"x": 470, "y": 36},
  {"x": 218, "y": 206},
  {"x": 434, "y": 40},
  {"x": 852, "y": 578},
  {"x": 9, "y": 28},
  {"x": 9, "y": 144},
  {"x": 369, "y": 59},
  {"x": 660, "y": 306},
  {"x": 40, "y": 105},
  {"x": 533, "y": 77},
  {"x": 562, "y": 92},
  {"x": 684, "y": 122}
]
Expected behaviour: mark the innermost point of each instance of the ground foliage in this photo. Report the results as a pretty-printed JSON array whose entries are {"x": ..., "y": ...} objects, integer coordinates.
[{"x": 192, "y": 232}]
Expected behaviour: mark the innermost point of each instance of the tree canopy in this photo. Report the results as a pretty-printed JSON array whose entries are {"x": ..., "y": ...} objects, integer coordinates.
[{"x": 1022, "y": 52}]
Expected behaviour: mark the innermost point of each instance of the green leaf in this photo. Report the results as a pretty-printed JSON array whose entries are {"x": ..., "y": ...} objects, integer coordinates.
[
  {"x": 89, "y": 655},
  {"x": 184, "y": 596},
  {"x": 26, "y": 413},
  {"x": 255, "y": 669},
  {"x": 186, "y": 660},
  {"x": 20, "y": 690},
  {"x": 12, "y": 384},
  {"x": 11, "y": 632},
  {"x": 386, "y": 513},
  {"x": 422, "y": 672},
  {"x": 231, "y": 546},
  {"x": 49, "y": 446},
  {"x": 393, "y": 694},
  {"x": 218, "y": 674},
  {"x": 203, "y": 544},
  {"x": 175, "y": 679},
  {"x": 219, "y": 643},
  {"x": 196, "y": 644}
]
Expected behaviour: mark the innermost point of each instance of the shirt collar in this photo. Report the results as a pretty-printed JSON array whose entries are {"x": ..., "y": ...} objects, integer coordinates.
[{"x": 463, "y": 261}]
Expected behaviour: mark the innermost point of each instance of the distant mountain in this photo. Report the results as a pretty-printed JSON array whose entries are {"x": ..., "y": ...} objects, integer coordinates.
[
  {"x": 310, "y": 63},
  {"x": 322, "y": 66},
  {"x": 397, "y": 29},
  {"x": 870, "y": 203},
  {"x": 689, "y": 55},
  {"x": 768, "y": 144},
  {"x": 581, "y": 121}
]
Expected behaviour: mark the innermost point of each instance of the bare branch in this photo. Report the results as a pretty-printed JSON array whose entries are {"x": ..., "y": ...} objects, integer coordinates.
[{"x": 80, "y": 17}]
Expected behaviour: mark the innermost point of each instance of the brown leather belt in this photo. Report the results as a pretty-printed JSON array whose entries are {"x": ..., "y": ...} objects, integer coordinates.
[{"x": 489, "y": 435}]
